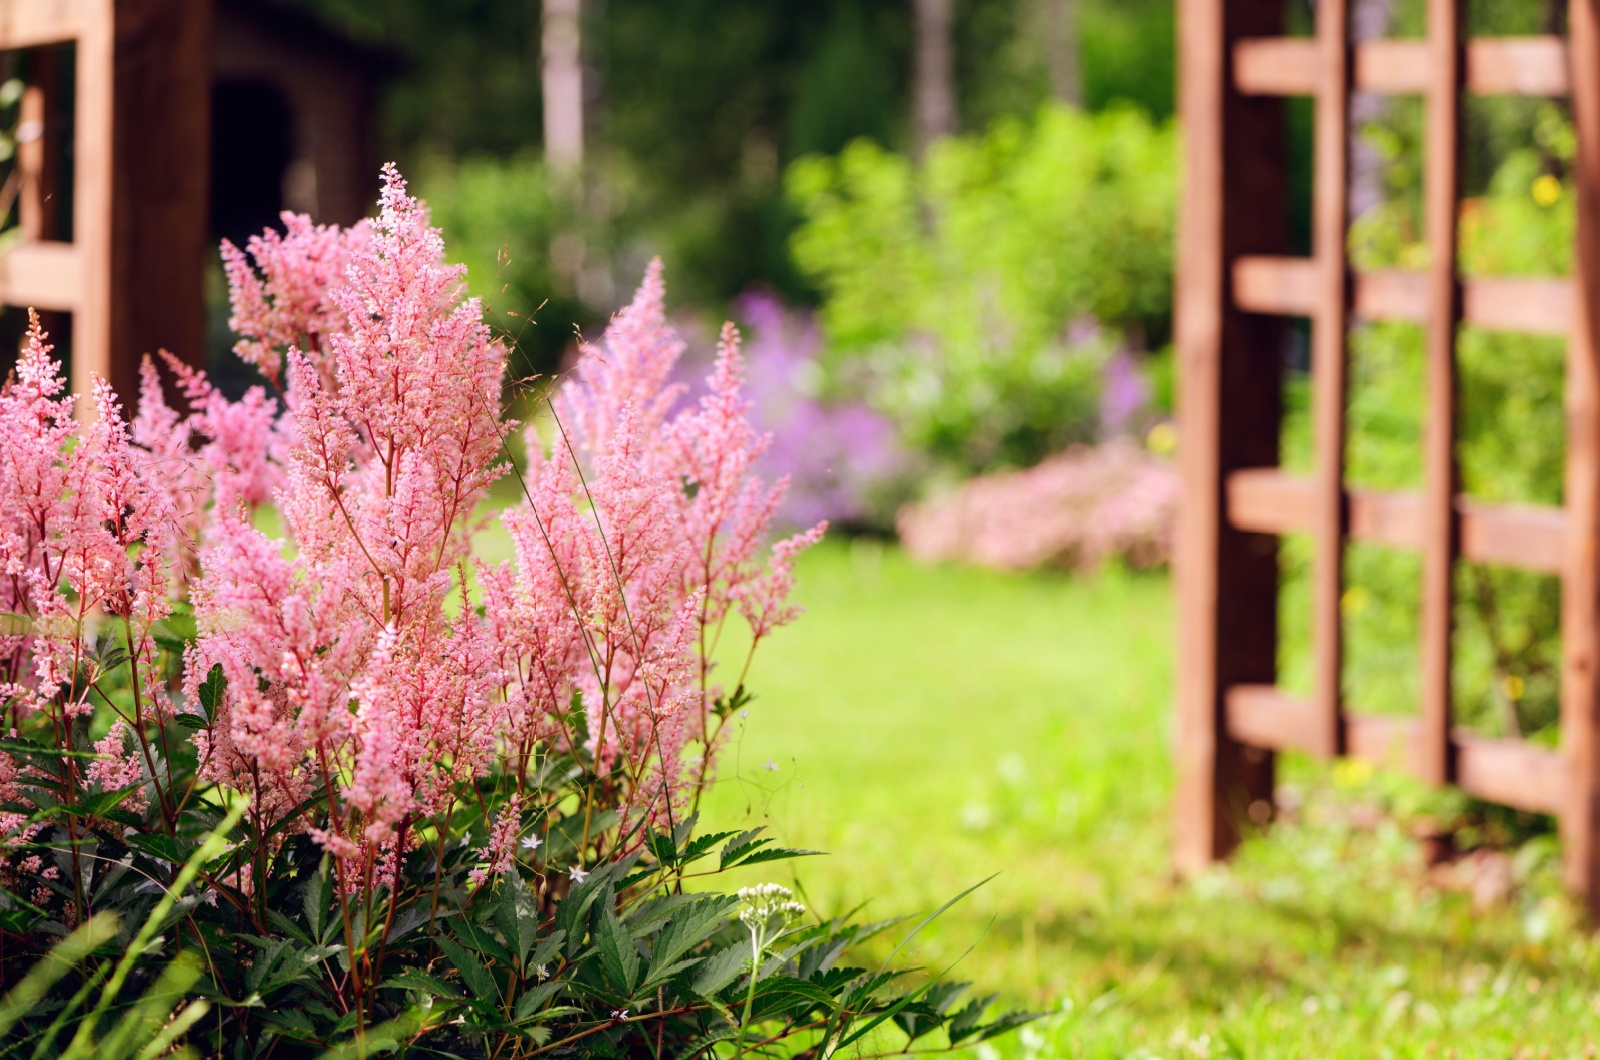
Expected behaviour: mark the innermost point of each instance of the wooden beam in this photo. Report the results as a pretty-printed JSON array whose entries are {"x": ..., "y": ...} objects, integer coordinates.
[
  {"x": 1277, "y": 285},
  {"x": 1532, "y": 306},
  {"x": 1287, "y": 287},
  {"x": 1580, "y": 586},
  {"x": 1511, "y": 772},
  {"x": 1277, "y": 66},
  {"x": 161, "y": 160},
  {"x": 1266, "y": 716},
  {"x": 1329, "y": 356},
  {"x": 1229, "y": 415},
  {"x": 1527, "y": 537},
  {"x": 1439, "y": 538},
  {"x": 91, "y": 197},
  {"x": 1291, "y": 66},
  {"x": 44, "y": 275},
  {"x": 31, "y": 23}
]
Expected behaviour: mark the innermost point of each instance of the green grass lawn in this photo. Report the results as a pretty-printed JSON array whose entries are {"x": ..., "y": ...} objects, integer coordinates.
[{"x": 929, "y": 727}]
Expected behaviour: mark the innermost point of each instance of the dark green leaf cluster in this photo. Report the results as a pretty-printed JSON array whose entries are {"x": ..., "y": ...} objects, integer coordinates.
[{"x": 623, "y": 962}]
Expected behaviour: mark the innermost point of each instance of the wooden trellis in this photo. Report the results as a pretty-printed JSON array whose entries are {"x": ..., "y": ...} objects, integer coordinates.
[
  {"x": 1235, "y": 287},
  {"x": 131, "y": 275}
]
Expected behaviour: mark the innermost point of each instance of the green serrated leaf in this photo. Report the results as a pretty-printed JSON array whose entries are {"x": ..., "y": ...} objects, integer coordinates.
[
  {"x": 480, "y": 940},
  {"x": 770, "y": 854},
  {"x": 212, "y": 690},
  {"x": 685, "y": 931},
  {"x": 160, "y": 847},
  {"x": 743, "y": 841},
  {"x": 528, "y": 1004},
  {"x": 28, "y": 747},
  {"x": 785, "y": 996},
  {"x": 416, "y": 979},
  {"x": 719, "y": 970},
  {"x": 547, "y": 949},
  {"x": 479, "y": 983},
  {"x": 619, "y": 958}
]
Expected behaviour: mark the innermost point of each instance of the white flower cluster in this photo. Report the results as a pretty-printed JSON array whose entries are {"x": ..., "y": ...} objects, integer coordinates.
[{"x": 768, "y": 902}]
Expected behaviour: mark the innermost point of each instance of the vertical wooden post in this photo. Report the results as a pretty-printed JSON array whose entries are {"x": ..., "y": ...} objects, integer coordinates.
[
  {"x": 1580, "y": 588},
  {"x": 1229, "y": 408},
  {"x": 1329, "y": 223},
  {"x": 161, "y": 155},
  {"x": 1439, "y": 525},
  {"x": 31, "y": 163},
  {"x": 91, "y": 201}
]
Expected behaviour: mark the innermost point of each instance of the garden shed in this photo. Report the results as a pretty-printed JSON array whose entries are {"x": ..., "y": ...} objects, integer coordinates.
[
  {"x": 1237, "y": 287},
  {"x": 148, "y": 130}
]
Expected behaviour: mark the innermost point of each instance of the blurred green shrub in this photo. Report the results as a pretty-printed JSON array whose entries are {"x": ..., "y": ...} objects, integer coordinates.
[
  {"x": 975, "y": 297},
  {"x": 525, "y": 252},
  {"x": 1510, "y": 446}
]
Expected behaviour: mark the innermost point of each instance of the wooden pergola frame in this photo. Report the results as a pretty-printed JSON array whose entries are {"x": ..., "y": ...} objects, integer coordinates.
[
  {"x": 132, "y": 276},
  {"x": 1235, "y": 287}
]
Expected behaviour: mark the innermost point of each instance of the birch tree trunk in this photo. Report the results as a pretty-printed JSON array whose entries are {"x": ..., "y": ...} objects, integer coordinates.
[
  {"x": 933, "y": 102},
  {"x": 561, "y": 76},
  {"x": 1061, "y": 50}
]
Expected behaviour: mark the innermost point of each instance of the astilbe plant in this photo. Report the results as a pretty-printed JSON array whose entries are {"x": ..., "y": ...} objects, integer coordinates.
[{"x": 465, "y": 793}]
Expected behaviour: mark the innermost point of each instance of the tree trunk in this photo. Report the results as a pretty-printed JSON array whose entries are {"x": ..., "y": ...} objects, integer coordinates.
[
  {"x": 933, "y": 104},
  {"x": 1061, "y": 50},
  {"x": 561, "y": 72}
]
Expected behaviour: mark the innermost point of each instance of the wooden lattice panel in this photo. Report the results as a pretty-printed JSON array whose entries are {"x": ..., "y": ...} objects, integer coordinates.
[
  {"x": 132, "y": 276},
  {"x": 72, "y": 277},
  {"x": 1235, "y": 284}
]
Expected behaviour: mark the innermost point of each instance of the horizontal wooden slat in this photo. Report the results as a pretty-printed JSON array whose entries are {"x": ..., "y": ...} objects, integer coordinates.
[
  {"x": 1266, "y": 716},
  {"x": 1525, "y": 66},
  {"x": 1282, "y": 286},
  {"x": 29, "y": 23},
  {"x": 1277, "y": 66},
  {"x": 1513, "y": 535},
  {"x": 1381, "y": 740},
  {"x": 1287, "y": 287},
  {"x": 1269, "y": 501},
  {"x": 1530, "y": 537},
  {"x": 1509, "y": 772},
  {"x": 1290, "y": 66},
  {"x": 1391, "y": 294},
  {"x": 43, "y": 275},
  {"x": 1534, "y": 306},
  {"x": 1397, "y": 67}
]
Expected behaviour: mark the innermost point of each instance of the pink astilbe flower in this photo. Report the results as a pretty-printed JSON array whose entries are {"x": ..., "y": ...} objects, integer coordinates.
[
  {"x": 649, "y": 527},
  {"x": 283, "y": 290},
  {"x": 343, "y": 671},
  {"x": 90, "y": 546},
  {"x": 500, "y": 854},
  {"x": 118, "y": 767}
]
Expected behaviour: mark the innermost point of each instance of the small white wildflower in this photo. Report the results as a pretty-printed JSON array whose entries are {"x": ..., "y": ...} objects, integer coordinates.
[
  {"x": 541, "y": 971},
  {"x": 619, "y": 1014},
  {"x": 744, "y": 714},
  {"x": 531, "y": 843},
  {"x": 769, "y": 909},
  {"x": 578, "y": 874},
  {"x": 772, "y": 765},
  {"x": 768, "y": 905}
]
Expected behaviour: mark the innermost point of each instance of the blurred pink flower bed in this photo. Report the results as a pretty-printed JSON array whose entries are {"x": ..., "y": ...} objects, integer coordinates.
[{"x": 1078, "y": 510}]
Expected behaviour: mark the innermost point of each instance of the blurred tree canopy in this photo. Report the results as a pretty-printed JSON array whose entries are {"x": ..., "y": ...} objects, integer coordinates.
[{"x": 695, "y": 107}]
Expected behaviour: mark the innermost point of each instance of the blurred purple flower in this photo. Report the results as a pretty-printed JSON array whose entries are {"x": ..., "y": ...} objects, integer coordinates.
[
  {"x": 836, "y": 453},
  {"x": 1124, "y": 395}
]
